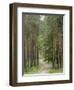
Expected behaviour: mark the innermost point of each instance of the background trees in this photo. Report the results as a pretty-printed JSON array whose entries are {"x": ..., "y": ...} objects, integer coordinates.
[
  {"x": 43, "y": 38},
  {"x": 54, "y": 40},
  {"x": 31, "y": 25}
]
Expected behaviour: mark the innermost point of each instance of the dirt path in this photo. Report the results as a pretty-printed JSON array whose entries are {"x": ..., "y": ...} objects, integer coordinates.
[{"x": 44, "y": 66}]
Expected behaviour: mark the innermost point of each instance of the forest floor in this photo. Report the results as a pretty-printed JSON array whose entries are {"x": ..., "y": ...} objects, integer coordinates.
[{"x": 44, "y": 66}]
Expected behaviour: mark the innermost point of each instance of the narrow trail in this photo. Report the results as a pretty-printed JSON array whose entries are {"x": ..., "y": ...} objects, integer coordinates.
[{"x": 44, "y": 66}]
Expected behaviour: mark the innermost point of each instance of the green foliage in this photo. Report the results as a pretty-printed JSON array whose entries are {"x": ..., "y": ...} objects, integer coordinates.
[
  {"x": 55, "y": 71},
  {"x": 32, "y": 70}
]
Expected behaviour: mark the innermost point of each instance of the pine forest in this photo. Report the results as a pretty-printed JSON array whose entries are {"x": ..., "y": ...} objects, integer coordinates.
[{"x": 43, "y": 43}]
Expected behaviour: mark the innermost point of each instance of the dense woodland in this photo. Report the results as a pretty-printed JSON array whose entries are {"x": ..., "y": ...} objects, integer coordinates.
[{"x": 43, "y": 38}]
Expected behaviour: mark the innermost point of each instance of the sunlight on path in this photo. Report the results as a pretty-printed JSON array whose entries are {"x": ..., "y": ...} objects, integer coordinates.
[{"x": 44, "y": 66}]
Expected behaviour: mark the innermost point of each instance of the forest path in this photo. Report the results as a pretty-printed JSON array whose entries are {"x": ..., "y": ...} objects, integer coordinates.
[{"x": 44, "y": 66}]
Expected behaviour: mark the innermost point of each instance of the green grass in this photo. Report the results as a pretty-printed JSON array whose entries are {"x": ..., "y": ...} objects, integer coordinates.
[
  {"x": 32, "y": 70},
  {"x": 35, "y": 69},
  {"x": 55, "y": 71}
]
